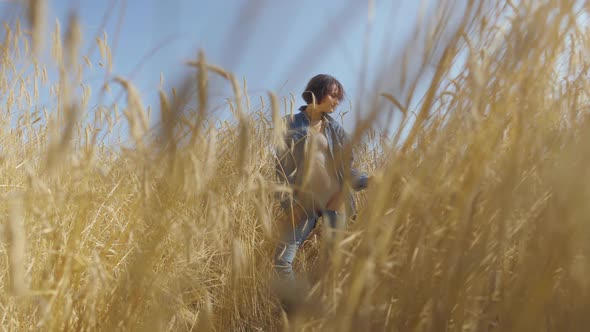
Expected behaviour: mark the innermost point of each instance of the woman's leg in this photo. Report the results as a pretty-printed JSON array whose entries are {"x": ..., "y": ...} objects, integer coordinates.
[
  {"x": 295, "y": 226},
  {"x": 334, "y": 210}
]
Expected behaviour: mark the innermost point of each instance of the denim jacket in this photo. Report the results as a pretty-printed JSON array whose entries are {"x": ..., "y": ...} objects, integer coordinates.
[{"x": 289, "y": 167}]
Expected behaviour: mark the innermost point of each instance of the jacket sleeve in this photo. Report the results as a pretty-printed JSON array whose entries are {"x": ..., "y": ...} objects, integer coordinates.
[
  {"x": 287, "y": 157},
  {"x": 358, "y": 179},
  {"x": 286, "y": 165}
]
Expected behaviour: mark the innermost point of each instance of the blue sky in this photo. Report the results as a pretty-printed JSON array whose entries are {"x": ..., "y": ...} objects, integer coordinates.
[{"x": 275, "y": 45}]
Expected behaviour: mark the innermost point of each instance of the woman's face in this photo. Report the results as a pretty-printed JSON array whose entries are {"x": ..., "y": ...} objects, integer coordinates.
[{"x": 330, "y": 100}]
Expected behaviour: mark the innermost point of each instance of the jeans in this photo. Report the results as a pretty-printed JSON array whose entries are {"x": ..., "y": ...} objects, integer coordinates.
[{"x": 293, "y": 237}]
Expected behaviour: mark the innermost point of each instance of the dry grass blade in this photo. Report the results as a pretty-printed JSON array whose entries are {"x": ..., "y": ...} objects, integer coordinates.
[
  {"x": 14, "y": 229},
  {"x": 36, "y": 12},
  {"x": 476, "y": 219},
  {"x": 135, "y": 113}
]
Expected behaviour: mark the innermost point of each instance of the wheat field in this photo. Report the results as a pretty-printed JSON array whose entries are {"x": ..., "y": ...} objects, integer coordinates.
[{"x": 477, "y": 218}]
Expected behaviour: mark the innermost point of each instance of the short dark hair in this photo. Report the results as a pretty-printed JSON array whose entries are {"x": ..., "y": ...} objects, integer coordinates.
[{"x": 319, "y": 86}]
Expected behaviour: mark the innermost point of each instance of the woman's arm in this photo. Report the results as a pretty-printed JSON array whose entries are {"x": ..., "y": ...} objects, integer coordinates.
[
  {"x": 358, "y": 179},
  {"x": 289, "y": 156}
]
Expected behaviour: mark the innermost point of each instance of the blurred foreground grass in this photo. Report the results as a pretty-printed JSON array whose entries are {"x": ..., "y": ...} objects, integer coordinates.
[{"x": 478, "y": 220}]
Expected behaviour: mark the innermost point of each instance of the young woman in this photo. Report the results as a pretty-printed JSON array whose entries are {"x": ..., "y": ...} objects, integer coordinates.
[{"x": 317, "y": 164}]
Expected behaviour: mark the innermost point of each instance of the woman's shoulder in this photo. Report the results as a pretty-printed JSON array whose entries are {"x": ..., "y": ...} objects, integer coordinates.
[
  {"x": 294, "y": 120},
  {"x": 295, "y": 126}
]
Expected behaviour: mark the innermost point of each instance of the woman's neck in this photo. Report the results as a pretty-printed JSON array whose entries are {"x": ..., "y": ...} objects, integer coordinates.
[{"x": 313, "y": 114}]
